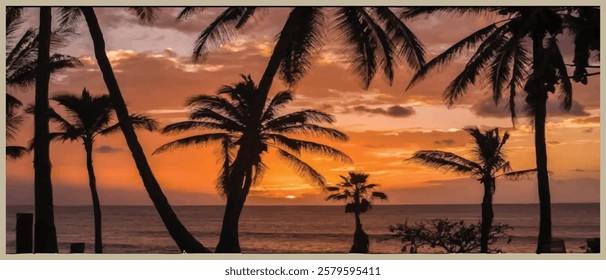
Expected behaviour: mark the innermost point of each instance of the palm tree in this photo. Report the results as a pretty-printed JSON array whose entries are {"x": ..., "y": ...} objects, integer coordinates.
[
  {"x": 501, "y": 54},
  {"x": 490, "y": 160},
  {"x": 28, "y": 61},
  {"x": 377, "y": 38},
  {"x": 13, "y": 119},
  {"x": 230, "y": 117},
  {"x": 182, "y": 237},
  {"x": 358, "y": 195},
  {"x": 90, "y": 116}
]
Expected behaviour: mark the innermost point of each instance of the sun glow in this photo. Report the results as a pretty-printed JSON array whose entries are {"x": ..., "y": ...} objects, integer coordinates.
[{"x": 291, "y": 196}]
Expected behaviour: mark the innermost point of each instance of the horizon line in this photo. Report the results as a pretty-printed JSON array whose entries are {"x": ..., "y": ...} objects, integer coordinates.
[{"x": 307, "y": 205}]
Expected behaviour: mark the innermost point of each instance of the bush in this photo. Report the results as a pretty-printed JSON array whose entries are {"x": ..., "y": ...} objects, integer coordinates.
[{"x": 446, "y": 236}]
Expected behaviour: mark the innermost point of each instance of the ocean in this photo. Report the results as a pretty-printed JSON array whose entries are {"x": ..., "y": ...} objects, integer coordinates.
[{"x": 302, "y": 229}]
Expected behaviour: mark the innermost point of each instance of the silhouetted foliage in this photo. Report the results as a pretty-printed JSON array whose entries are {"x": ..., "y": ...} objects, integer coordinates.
[
  {"x": 229, "y": 119},
  {"x": 89, "y": 117},
  {"x": 443, "y": 235},
  {"x": 520, "y": 53},
  {"x": 358, "y": 195},
  {"x": 490, "y": 160}
]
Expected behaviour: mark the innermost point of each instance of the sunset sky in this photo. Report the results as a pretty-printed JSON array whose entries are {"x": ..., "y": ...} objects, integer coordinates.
[{"x": 386, "y": 124}]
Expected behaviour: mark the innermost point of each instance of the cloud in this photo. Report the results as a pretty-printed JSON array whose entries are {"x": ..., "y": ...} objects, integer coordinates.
[
  {"x": 587, "y": 120},
  {"x": 105, "y": 149},
  {"x": 487, "y": 108},
  {"x": 445, "y": 142},
  {"x": 395, "y": 111}
]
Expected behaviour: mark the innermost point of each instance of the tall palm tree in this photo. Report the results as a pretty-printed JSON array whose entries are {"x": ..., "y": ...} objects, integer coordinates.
[
  {"x": 182, "y": 237},
  {"x": 358, "y": 195},
  {"x": 28, "y": 61},
  {"x": 89, "y": 117},
  {"x": 230, "y": 117},
  {"x": 502, "y": 54},
  {"x": 490, "y": 160},
  {"x": 376, "y": 37},
  {"x": 13, "y": 120}
]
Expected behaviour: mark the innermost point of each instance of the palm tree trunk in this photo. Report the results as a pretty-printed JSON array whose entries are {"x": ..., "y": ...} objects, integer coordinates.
[
  {"x": 540, "y": 92},
  {"x": 360, "y": 243},
  {"x": 279, "y": 53},
  {"x": 88, "y": 146},
  {"x": 229, "y": 241},
  {"x": 487, "y": 213},
  {"x": 45, "y": 234},
  {"x": 182, "y": 237}
]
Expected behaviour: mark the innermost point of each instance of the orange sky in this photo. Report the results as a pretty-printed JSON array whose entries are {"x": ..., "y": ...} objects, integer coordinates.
[{"x": 153, "y": 66}]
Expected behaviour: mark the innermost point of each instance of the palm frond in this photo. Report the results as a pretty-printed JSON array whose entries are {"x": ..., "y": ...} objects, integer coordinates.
[
  {"x": 337, "y": 196},
  {"x": 446, "y": 161},
  {"x": 277, "y": 102},
  {"x": 138, "y": 121},
  {"x": 205, "y": 114},
  {"x": 487, "y": 49},
  {"x": 312, "y": 130},
  {"x": 405, "y": 41},
  {"x": 302, "y": 168},
  {"x": 195, "y": 140},
  {"x": 445, "y": 57},
  {"x": 361, "y": 42},
  {"x": 299, "y": 145},
  {"x": 298, "y": 118},
  {"x": 188, "y": 11},
  {"x": 519, "y": 175},
  {"x": 379, "y": 195},
  {"x": 564, "y": 85},
  {"x": 218, "y": 32},
  {"x": 70, "y": 16},
  {"x": 305, "y": 41},
  {"x": 146, "y": 14},
  {"x": 518, "y": 76},
  {"x": 217, "y": 103},
  {"x": 388, "y": 56},
  {"x": 425, "y": 11},
  {"x": 191, "y": 125},
  {"x": 15, "y": 152}
]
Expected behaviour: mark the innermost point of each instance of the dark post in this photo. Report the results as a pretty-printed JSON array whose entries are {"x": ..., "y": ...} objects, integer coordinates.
[
  {"x": 77, "y": 248},
  {"x": 25, "y": 233}
]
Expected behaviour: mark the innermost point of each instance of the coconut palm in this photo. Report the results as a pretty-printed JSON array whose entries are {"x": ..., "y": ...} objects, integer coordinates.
[
  {"x": 89, "y": 117},
  {"x": 228, "y": 118},
  {"x": 376, "y": 37},
  {"x": 490, "y": 161},
  {"x": 28, "y": 61},
  {"x": 71, "y": 16},
  {"x": 502, "y": 55},
  {"x": 358, "y": 195}
]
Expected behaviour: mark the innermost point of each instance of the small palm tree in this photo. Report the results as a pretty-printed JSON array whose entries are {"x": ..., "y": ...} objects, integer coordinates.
[
  {"x": 229, "y": 116},
  {"x": 358, "y": 194},
  {"x": 89, "y": 117},
  {"x": 13, "y": 119},
  {"x": 490, "y": 161}
]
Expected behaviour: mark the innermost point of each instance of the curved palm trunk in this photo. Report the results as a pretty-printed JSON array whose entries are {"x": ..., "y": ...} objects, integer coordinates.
[
  {"x": 540, "y": 95},
  {"x": 184, "y": 239},
  {"x": 487, "y": 213},
  {"x": 88, "y": 146},
  {"x": 45, "y": 234},
  {"x": 229, "y": 241},
  {"x": 360, "y": 243}
]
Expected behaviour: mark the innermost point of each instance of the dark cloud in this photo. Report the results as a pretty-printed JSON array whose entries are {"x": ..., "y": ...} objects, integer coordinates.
[
  {"x": 487, "y": 108},
  {"x": 396, "y": 111},
  {"x": 105, "y": 149},
  {"x": 446, "y": 142}
]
